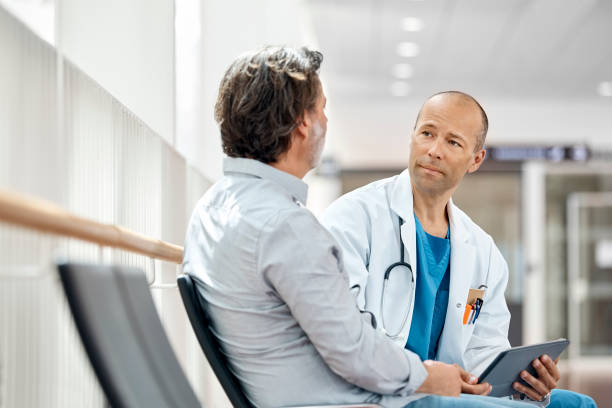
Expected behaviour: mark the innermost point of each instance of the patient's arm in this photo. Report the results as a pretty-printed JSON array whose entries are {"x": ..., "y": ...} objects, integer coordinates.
[{"x": 301, "y": 262}]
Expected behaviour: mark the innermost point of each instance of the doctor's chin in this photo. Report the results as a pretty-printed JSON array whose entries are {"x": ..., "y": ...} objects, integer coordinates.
[{"x": 306, "y": 203}]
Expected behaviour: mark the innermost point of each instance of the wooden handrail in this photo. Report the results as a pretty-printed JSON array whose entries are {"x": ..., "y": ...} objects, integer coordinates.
[{"x": 42, "y": 215}]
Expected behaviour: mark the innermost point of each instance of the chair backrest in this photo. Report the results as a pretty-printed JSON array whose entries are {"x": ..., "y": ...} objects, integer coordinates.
[
  {"x": 196, "y": 310},
  {"x": 124, "y": 338}
]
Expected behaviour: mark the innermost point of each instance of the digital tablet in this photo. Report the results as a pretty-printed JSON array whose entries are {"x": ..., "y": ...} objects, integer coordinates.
[{"x": 507, "y": 366}]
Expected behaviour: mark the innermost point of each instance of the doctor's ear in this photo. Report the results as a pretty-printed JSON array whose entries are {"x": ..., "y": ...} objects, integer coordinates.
[{"x": 479, "y": 157}]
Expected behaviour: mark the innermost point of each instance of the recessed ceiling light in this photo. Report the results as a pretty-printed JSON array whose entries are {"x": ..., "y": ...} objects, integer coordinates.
[
  {"x": 605, "y": 88},
  {"x": 400, "y": 88},
  {"x": 403, "y": 71},
  {"x": 412, "y": 24},
  {"x": 408, "y": 49}
]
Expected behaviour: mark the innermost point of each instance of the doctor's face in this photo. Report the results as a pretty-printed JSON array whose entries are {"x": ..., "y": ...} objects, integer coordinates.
[{"x": 443, "y": 144}]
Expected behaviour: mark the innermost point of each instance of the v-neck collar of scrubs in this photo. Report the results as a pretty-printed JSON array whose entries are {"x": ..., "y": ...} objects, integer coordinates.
[
  {"x": 438, "y": 248},
  {"x": 431, "y": 299}
]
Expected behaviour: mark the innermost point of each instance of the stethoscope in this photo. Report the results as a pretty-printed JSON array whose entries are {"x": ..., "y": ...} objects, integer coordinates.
[
  {"x": 401, "y": 263},
  {"x": 388, "y": 271}
]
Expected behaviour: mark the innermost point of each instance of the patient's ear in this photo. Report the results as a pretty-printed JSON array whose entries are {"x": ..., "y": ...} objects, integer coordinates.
[{"x": 303, "y": 125}]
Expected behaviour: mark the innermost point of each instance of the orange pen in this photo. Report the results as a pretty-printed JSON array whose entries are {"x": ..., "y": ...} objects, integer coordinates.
[{"x": 466, "y": 314}]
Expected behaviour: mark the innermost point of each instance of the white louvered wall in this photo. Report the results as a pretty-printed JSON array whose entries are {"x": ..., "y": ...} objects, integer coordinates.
[{"x": 65, "y": 139}]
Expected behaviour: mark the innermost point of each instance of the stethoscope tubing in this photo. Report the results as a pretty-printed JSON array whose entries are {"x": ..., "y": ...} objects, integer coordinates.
[{"x": 384, "y": 288}]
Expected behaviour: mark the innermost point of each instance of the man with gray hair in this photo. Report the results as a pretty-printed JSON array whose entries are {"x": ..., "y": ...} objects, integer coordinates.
[{"x": 272, "y": 276}]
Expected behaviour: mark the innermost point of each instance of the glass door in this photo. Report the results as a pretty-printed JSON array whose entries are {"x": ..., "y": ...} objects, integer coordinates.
[
  {"x": 567, "y": 236},
  {"x": 589, "y": 238}
]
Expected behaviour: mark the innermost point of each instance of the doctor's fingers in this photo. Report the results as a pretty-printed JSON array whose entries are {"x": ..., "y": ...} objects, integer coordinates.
[
  {"x": 528, "y": 391},
  {"x": 551, "y": 366},
  {"x": 545, "y": 375},
  {"x": 536, "y": 389}
]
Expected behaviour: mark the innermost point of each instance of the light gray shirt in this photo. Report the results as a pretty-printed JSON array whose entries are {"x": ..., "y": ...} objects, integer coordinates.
[{"x": 280, "y": 301}]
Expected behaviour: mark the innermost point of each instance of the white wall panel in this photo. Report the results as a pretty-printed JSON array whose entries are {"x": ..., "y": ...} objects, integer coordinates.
[
  {"x": 28, "y": 159},
  {"x": 108, "y": 165},
  {"x": 128, "y": 48}
]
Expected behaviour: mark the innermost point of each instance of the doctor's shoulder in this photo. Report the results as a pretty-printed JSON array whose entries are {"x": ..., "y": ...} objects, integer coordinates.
[
  {"x": 359, "y": 201},
  {"x": 478, "y": 235}
]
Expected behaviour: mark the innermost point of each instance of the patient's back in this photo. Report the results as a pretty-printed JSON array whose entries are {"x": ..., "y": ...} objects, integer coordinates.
[{"x": 267, "y": 349}]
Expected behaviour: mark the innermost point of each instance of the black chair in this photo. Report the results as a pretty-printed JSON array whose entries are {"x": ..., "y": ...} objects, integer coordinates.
[
  {"x": 124, "y": 338},
  {"x": 195, "y": 306}
]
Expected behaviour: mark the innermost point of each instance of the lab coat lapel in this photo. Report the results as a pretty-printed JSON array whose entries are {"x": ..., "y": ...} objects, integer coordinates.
[
  {"x": 400, "y": 201},
  {"x": 462, "y": 266}
]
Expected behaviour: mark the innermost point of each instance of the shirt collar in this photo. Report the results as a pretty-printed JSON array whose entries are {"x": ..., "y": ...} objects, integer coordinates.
[{"x": 295, "y": 186}]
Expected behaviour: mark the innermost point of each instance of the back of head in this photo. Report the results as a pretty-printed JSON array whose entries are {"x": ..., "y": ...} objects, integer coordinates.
[{"x": 262, "y": 97}]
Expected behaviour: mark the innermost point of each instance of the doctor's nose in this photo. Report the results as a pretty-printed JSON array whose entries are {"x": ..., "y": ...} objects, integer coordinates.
[{"x": 435, "y": 149}]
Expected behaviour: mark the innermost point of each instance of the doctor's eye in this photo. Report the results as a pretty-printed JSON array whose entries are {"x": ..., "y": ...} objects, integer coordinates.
[{"x": 426, "y": 133}]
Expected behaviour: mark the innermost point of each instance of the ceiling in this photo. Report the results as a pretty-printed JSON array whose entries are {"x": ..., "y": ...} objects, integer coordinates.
[
  {"x": 514, "y": 48},
  {"x": 535, "y": 66}
]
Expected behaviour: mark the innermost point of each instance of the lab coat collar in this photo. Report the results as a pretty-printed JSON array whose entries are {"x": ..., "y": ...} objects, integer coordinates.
[
  {"x": 458, "y": 230},
  {"x": 295, "y": 186},
  {"x": 400, "y": 197},
  {"x": 400, "y": 202}
]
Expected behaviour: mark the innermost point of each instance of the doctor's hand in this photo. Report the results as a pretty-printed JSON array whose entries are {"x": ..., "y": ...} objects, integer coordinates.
[
  {"x": 469, "y": 383},
  {"x": 443, "y": 379},
  {"x": 546, "y": 381}
]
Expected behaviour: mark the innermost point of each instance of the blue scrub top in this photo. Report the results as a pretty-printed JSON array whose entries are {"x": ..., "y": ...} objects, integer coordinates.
[{"x": 431, "y": 298}]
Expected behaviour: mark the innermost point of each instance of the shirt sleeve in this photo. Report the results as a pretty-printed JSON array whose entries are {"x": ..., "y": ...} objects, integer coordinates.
[
  {"x": 302, "y": 263},
  {"x": 490, "y": 336}
]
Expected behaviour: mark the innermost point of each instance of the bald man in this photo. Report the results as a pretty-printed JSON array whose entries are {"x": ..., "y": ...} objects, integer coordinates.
[{"x": 424, "y": 272}]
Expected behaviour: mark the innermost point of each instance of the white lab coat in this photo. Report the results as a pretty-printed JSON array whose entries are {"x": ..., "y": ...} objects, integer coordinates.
[{"x": 366, "y": 224}]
